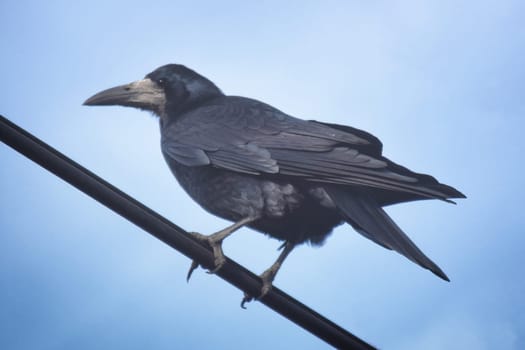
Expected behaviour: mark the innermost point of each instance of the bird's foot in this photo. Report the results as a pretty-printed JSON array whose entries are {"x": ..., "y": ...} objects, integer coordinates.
[
  {"x": 267, "y": 280},
  {"x": 215, "y": 242}
]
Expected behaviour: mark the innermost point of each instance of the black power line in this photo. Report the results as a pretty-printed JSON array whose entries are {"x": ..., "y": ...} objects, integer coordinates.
[{"x": 107, "y": 194}]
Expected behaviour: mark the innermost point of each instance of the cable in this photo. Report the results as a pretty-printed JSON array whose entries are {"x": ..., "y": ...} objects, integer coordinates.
[{"x": 158, "y": 226}]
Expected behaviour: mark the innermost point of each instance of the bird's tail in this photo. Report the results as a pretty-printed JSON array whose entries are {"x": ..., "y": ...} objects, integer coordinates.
[{"x": 370, "y": 220}]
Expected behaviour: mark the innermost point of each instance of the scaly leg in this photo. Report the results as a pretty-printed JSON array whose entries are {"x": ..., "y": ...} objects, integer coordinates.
[
  {"x": 269, "y": 275},
  {"x": 215, "y": 242}
]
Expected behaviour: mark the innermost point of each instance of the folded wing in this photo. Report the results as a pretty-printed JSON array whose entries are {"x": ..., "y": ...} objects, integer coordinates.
[{"x": 271, "y": 142}]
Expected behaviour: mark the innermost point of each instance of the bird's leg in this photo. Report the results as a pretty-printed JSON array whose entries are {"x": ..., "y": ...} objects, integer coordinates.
[
  {"x": 269, "y": 275},
  {"x": 215, "y": 242}
]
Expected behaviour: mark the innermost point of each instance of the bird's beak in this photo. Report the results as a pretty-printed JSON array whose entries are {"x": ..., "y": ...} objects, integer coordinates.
[{"x": 144, "y": 94}]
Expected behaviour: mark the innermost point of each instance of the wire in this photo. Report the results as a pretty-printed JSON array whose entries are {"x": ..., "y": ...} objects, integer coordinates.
[{"x": 158, "y": 226}]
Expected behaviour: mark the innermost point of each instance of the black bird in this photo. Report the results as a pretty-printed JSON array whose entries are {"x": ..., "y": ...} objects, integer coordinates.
[{"x": 295, "y": 180}]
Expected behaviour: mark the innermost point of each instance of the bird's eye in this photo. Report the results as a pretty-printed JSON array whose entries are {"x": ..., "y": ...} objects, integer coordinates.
[{"x": 161, "y": 82}]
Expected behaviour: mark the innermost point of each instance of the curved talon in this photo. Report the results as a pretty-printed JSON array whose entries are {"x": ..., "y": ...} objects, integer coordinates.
[
  {"x": 245, "y": 300},
  {"x": 193, "y": 267},
  {"x": 267, "y": 286}
]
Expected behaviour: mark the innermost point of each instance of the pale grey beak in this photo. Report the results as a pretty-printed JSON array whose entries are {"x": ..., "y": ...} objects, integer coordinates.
[{"x": 144, "y": 94}]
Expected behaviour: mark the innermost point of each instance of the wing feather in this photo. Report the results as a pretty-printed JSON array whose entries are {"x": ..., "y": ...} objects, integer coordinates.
[{"x": 248, "y": 136}]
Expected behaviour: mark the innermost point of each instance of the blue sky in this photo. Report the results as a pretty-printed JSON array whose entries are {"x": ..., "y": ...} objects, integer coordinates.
[{"x": 440, "y": 82}]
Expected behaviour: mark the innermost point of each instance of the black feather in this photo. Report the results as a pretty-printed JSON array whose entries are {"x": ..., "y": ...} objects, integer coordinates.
[{"x": 294, "y": 179}]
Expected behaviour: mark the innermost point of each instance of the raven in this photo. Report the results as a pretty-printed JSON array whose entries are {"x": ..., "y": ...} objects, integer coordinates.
[{"x": 292, "y": 179}]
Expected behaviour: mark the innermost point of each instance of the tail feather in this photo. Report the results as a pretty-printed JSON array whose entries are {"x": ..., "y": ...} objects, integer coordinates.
[{"x": 370, "y": 220}]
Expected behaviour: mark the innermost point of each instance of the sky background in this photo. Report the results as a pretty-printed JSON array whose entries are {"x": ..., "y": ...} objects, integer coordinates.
[{"x": 441, "y": 83}]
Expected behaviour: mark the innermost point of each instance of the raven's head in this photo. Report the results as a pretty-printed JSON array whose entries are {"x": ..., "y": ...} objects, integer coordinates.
[{"x": 167, "y": 90}]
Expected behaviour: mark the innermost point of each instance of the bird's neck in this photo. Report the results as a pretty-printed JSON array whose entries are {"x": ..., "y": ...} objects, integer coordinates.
[{"x": 175, "y": 108}]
